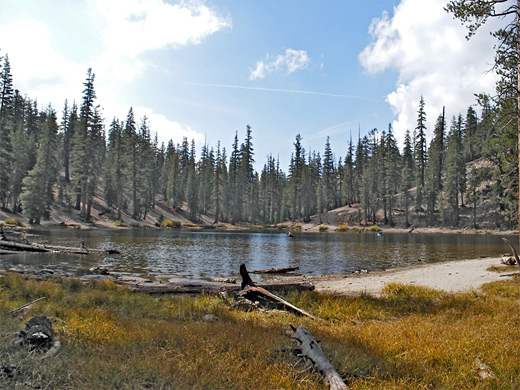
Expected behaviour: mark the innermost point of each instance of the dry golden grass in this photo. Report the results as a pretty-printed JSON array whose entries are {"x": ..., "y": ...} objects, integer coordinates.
[{"x": 410, "y": 338}]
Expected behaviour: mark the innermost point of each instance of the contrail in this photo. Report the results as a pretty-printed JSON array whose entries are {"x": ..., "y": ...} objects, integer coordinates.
[{"x": 278, "y": 90}]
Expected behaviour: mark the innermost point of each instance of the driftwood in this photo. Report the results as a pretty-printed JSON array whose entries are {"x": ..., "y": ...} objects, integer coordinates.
[
  {"x": 215, "y": 288},
  {"x": 28, "y": 247},
  {"x": 310, "y": 351},
  {"x": 26, "y": 306},
  {"x": 515, "y": 254},
  {"x": 412, "y": 229},
  {"x": 253, "y": 293},
  {"x": 275, "y": 270}
]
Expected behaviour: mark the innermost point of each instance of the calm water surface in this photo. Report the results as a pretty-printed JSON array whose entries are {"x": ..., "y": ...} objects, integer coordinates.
[{"x": 166, "y": 254}]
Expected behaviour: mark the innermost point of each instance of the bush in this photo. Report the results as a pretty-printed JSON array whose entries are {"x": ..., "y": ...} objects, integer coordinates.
[
  {"x": 295, "y": 227},
  {"x": 323, "y": 228},
  {"x": 220, "y": 225},
  {"x": 135, "y": 224},
  {"x": 120, "y": 223},
  {"x": 342, "y": 228},
  {"x": 168, "y": 223},
  {"x": 374, "y": 228},
  {"x": 189, "y": 224},
  {"x": 13, "y": 222}
]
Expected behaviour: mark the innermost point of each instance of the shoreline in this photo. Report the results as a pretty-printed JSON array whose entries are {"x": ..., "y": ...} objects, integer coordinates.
[{"x": 452, "y": 277}]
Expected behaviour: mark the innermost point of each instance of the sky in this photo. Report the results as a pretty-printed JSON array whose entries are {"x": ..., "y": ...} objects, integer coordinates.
[{"x": 207, "y": 69}]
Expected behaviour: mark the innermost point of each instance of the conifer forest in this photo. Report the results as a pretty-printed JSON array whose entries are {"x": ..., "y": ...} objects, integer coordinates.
[{"x": 66, "y": 157}]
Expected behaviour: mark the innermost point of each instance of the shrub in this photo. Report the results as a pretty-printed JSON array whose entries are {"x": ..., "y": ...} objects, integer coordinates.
[
  {"x": 282, "y": 226},
  {"x": 13, "y": 222},
  {"x": 342, "y": 228},
  {"x": 323, "y": 228},
  {"x": 168, "y": 223},
  {"x": 374, "y": 228},
  {"x": 189, "y": 224},
  {"x": 135, "y": 224},
  {"x": 295, "y": 227},
  {"x": 120, "y": 223},
  {"x": 219, "y": 225}
]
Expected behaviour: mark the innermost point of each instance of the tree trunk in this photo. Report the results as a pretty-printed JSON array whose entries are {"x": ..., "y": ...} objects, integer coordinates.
[{"x": 308, "y": 348}]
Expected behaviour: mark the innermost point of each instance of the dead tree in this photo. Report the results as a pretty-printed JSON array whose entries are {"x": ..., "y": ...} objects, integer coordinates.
[
  {"x": 310, "y": 351},
  {"x": 252, "y": 293}
]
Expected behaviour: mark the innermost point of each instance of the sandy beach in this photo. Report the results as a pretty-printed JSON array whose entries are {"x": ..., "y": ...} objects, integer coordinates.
[{"x": 453, "y": 276}]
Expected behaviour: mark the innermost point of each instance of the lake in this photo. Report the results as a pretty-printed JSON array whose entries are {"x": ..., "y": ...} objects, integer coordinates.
[{"x": 197, "y": 254}]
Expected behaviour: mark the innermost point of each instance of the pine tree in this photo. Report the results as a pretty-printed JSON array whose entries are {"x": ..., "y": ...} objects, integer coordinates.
[
  {"x": 408, "y": 175},
  {"x": 37, "y": 194},
  {"x": 19, "y": 165},
  {"x": 420, "y": 153},
  {"x": 455, "y": 175},
  {"x": 6, "y": 129}
]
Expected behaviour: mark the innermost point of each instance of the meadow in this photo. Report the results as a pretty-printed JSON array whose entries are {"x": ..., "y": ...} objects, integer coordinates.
[{"x": 409, "y": 338}]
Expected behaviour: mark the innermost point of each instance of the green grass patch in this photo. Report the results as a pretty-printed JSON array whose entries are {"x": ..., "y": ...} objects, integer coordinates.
[
  {"x": 341, "y": 228},
  {"x": 502, "y": 268},
  {"x": 13, "y": 222},
  {"x": 168, "y": 223},
  {"x": 409, "y": 338},
  {"x": 374, "y": 228},
  {"x": 189, "y": 224}
]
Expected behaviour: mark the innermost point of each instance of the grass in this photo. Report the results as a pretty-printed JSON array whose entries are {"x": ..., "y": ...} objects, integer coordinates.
[
  {"x": 168, "y": 223},
  {"x": 189, "y": 224},
  {"x": 409, "y": 338},
  {"x": 13, "y": 222},
  {"x": 342, "y": 228},
  {"x": 374, "y": 228}
]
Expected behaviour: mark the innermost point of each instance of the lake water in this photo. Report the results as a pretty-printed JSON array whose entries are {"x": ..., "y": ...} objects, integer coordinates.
[{"x": 190, "y": 254}]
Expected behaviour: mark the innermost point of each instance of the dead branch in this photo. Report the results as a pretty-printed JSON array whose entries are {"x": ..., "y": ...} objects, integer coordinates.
[
  {"x": 310, "y": 351},
  {"x": 254, "y": 293},
  {"x": 275, "y": 270},
  {"x": 26, "y": 306}
]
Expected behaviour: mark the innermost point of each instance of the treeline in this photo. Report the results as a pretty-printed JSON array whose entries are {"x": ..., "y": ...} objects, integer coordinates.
[{"x": 43, "y": 162}]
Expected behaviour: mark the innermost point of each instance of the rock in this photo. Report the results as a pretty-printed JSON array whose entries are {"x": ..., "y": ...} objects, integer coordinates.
[
  {"x": 209, "y": 317},
  {"x": 100, "y": 270},
  {"x": 224, "y": 280}
]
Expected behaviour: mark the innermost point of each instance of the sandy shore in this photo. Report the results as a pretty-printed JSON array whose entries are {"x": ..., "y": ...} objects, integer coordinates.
[{"x": 453, "y": 276}]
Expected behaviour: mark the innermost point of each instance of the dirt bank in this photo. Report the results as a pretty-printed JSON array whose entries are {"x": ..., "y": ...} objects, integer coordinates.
[{"x": 453, "y": 276}]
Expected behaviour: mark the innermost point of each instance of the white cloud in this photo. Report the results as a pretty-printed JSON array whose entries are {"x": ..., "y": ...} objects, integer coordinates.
[
  {"x": 289, "y": 62},
  {"x": 135, "y": 26},
  {"x": 167, "y": 129},
  {"x": 129, "y": 29},
  {"x": 428, "y": 49},
  {"x": 38, "y": 70}
]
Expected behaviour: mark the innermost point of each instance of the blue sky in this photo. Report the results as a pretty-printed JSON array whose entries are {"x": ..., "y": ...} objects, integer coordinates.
[{"x": 206, "y": 69}]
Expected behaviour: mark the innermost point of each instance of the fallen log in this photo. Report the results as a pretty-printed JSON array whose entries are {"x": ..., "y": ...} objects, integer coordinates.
[
  {"x": 253, "y": 293},
  {"x": 19, "y": 247},
  {"x": 275, "y": 270},
  {"x": 412, "y": 229},
  {"x": 26, "y": 306},
  {"x": 310, "y": 351},
  {"x": 28, "y": 247}
]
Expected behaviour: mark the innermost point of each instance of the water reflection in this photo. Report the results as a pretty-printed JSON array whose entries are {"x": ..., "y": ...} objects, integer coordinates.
[{"x": 215, "y": 254}]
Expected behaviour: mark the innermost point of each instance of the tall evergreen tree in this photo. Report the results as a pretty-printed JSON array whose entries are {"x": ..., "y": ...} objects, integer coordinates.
[
  {"x": 37, "y": 195},
  {"x": 6, "y": 129}
]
